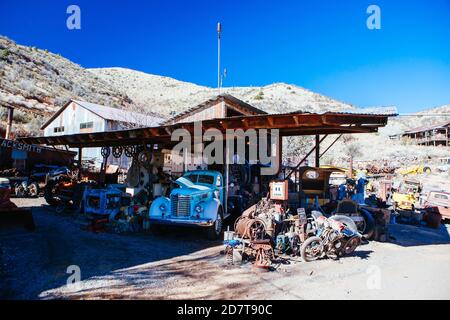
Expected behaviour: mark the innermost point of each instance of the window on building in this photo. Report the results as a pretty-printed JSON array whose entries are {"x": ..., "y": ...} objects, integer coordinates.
[
  {"x": 87, "y": 125},
  {"x": 58, "y": 129}
]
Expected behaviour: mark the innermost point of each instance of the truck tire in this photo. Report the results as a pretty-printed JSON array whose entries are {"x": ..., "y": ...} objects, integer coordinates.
[
  {"x": 49, "y": 192},
  {"x": 213, "y": 232},
  {"x": 369, "y": 230}
]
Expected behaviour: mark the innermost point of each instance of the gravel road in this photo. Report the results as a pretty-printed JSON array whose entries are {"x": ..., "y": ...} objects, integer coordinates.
[{"x": 183, "y": 265}]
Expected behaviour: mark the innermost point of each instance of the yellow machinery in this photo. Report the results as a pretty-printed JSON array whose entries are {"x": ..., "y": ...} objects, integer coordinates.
[
  {"x": 406, "y": 196},
  {"x": 418, "y": 169}
]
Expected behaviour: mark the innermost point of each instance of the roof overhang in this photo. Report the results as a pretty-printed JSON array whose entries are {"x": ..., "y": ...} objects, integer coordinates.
[{"x": 292, "y": 124}]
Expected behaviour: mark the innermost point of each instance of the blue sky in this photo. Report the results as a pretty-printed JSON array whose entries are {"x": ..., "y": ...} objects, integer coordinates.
[{"x": 322, "y": 45}]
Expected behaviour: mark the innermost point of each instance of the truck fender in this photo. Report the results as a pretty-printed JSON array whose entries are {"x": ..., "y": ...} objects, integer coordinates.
[
  {"x": 211, "y": 208},
  {"x": 155, "y": 208}
]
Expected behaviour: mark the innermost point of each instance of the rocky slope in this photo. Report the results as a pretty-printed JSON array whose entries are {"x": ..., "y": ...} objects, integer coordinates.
[
  {"x": 169, "y": 96},
  {"x": 38, "y": 82}
]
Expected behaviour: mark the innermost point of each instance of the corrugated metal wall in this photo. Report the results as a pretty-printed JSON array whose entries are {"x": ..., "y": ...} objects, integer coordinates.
[{"x": 71, "y": 119}]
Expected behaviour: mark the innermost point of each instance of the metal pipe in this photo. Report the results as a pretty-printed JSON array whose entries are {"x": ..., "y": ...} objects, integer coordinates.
[{"x": 219, "y": 31}]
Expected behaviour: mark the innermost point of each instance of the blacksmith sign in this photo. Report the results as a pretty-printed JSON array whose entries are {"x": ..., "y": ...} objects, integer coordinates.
[{"x": 20, "y": 146}]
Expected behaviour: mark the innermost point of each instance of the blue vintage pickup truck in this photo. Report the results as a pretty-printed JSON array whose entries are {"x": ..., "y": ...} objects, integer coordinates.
[{"x": 197, "y": 201}]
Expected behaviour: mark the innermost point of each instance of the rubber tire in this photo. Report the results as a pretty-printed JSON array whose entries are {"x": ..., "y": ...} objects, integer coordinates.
[
  {"x": 369, "y": 232},
  {"x": 305, "y": 245},
  {"x": 48, "y": 195},
  {"x": 211, "y": 233}
]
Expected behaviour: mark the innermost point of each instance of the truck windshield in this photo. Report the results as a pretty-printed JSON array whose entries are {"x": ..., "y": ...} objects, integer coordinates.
[
  {"x": 201, "y": 178},
  {"x": 205, "y": 179}
]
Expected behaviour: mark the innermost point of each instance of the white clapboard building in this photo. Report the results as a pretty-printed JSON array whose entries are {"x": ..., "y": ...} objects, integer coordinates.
[{"x": 84, "y": 117}]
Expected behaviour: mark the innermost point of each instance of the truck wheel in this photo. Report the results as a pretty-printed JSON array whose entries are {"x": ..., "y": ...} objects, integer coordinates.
[
  {"x": 369, "y": 228},
  {"x": 213, "y": 232},
  {"x": 49, "y": 192}
]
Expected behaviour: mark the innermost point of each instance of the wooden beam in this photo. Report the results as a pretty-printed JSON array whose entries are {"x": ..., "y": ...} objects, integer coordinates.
[
  {"x": 306, "y": 157},
  {"x": 9, "y": 122},
  {"x": 331, "y": 145},
  {"x": 317, "y": 157}
]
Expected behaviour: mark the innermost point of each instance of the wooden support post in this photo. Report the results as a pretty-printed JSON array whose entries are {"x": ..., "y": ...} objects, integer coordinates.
[
  {"x": 80, "y": 157},
  {"x": 317, "y": 158},
  {"x": 9, "y": 123},
  {"x": 446, "y": 136}
]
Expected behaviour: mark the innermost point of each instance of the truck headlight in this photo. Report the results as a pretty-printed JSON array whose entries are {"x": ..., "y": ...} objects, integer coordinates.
[
  {"x": 198, "y": 208},
  {"x": 163, "y": 207}
]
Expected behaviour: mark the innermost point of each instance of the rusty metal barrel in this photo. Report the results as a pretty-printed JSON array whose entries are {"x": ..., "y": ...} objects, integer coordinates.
[{"x": 249, "y": 228}]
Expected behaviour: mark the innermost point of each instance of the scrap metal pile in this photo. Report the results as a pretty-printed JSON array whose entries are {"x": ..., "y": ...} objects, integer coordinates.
[{"x": 268, "y": 231}]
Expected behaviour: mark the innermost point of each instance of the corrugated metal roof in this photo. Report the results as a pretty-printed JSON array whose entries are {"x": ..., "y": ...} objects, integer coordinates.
[
  {"x": 385, "y": 111},
  {"x": 114, "y": 114},
  {"x": 119, "y": 115},
  {"x": 428, "y": 128},
  {"x": 375, "y": 111}
]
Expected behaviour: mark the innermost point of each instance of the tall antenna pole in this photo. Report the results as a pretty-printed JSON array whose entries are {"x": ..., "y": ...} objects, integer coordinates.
[{"x": 219, "y": 31}]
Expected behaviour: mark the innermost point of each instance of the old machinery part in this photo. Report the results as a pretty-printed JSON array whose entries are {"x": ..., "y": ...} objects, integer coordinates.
[
  {"x": 117, "y": 152},
  {"x": 145, "y": 158},
  {"x": 264, "y": 254},
  {"x": 253, "y": 229},
  {"x": 130, "y": 151},
  {"x": 133, "y": 175},
  {"x": 295, "y": 244},
  {"x": 106, "y": 152}
]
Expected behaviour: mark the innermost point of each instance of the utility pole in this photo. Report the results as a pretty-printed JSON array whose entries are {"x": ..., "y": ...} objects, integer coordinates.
[{"x": 219, "y": 31}]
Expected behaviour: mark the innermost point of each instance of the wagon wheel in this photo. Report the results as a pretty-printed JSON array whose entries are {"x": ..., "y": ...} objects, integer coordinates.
[
  {"x": 130, "y": 151},
  {"x": 256, "y": 230},
  {"x": 117, "y": 152},
  {"x": 106, "y": 152}
]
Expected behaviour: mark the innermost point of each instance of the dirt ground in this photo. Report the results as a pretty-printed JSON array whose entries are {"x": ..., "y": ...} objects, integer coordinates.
[{"x": 183, "y": 265}]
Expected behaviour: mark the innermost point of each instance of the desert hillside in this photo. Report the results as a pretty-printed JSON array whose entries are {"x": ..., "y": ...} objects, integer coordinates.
[
  {"x": 169, "y": 96},
  {"x": 38, "y": 82}
]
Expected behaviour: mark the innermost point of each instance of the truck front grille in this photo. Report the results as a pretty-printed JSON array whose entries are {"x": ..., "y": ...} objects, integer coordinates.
[{"x": 180, "y": 205}]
